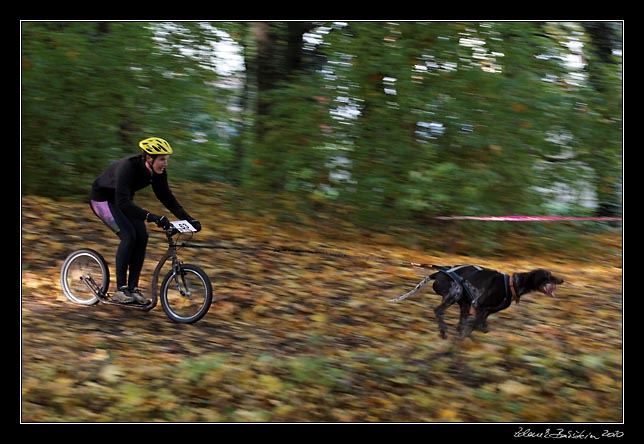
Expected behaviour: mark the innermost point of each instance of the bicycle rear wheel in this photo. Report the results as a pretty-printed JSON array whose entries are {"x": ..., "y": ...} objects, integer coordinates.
[
  {"x": 186, "y": 297},
  {"x": 79, "y": 265}
]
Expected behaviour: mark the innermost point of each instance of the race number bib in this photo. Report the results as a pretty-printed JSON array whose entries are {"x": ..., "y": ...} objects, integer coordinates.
[{"x": 183, "y": 226}]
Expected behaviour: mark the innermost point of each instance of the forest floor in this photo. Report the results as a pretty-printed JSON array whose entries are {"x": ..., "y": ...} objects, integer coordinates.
[{"x": 313, "y": 338}]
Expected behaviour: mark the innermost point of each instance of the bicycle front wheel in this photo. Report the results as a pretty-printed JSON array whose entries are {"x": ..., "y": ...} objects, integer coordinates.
[
  {"x": 186, "y": 296},
  {"x": 79, "y": 265}
]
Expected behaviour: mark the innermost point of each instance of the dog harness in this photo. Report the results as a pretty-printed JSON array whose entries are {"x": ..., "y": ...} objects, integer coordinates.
[
  {"x": 510, "y": 290},
  {"x": 451, "y": 272}
]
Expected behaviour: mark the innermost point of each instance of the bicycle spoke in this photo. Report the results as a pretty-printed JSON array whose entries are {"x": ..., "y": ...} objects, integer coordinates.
[
  {"x": 78, "y": 269},
  {"x": 186, "y": 296}
]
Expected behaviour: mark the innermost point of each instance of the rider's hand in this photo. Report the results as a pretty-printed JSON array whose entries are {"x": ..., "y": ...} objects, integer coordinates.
[
  {"x": 195, "y": 223},
  {"x": 161, "y": 221}
]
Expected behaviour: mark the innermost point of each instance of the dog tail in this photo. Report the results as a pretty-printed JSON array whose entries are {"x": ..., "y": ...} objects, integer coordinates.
[{"x": 420, "y": 285}]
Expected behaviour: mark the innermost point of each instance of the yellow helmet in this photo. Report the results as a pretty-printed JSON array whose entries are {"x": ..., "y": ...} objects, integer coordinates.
[{"x": 155, "y": 146}]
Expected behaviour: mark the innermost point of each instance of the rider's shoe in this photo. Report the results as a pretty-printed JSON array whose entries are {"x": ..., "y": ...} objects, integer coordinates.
[
  {"x": 138, "y": 296},
  {"x": 123, "y": 296}
]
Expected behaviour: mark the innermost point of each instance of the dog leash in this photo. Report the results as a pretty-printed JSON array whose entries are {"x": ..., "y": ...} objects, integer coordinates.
[{"x": 333, "y": 254}]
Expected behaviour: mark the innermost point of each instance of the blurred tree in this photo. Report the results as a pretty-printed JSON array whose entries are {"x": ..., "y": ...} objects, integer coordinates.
[
  {"x": 399, "y": 120},
  {"x": 281, "y": 100},
  {"x": 604, "y": 70},
  {"x": 91, "y": 90},
  {"x": 469, "y": 117}
]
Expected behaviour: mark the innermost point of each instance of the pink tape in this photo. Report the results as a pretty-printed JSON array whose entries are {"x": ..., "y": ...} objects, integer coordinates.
[{"x": 527, "y": 218}]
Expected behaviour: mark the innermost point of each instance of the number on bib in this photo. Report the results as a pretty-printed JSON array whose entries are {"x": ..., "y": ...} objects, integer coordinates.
[{"x": 183, "y": 226}]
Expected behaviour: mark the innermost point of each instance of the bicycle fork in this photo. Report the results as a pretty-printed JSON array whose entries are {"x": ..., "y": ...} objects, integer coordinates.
[
  {"x": 93, "y": 286},
  {"x": 180, "y": 280}
]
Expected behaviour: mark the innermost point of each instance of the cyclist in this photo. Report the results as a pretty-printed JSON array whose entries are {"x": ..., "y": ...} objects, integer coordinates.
[{"x": 111, "y": 199}]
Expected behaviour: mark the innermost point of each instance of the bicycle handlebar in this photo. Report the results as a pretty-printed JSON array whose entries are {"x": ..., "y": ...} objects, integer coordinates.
[
  {"x": 171, "y": 231},
  {"x": 177, "y": 227}
]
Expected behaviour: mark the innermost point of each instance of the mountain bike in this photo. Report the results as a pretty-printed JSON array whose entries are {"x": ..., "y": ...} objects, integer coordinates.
[{"x": 185, "y": 291}]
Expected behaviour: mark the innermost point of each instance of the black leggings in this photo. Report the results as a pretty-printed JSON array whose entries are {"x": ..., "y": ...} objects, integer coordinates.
[{"x": 134, "y": 241}]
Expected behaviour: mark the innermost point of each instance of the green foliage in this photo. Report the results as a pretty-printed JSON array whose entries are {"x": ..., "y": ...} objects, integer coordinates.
[
  {"x": 91, "y": 91},
  {"x": 396, "y": 121},
  {"x": 494, "y": 105}
]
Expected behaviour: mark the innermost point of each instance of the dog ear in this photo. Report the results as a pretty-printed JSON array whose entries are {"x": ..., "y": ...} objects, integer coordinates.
[
  {"x": 531, "y": 280},
  {"x": 534, "y": 277}
]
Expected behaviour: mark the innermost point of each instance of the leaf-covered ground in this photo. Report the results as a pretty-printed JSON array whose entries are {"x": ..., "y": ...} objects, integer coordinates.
[{"x": 311, "y": 338}]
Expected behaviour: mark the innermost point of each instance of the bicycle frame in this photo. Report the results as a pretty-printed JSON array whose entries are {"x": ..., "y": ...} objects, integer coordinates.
[
  {"x": 171, "y": 253},
  {"x": 184, "y": 292}
]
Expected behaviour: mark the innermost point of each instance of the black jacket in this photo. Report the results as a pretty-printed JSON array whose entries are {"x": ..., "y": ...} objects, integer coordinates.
[{"x": 124, "y": 177}]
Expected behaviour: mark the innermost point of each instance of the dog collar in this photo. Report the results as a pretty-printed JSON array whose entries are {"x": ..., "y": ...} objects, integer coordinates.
[
  {"x": 510, "y": 290},
  {"x": 513, "y": 290}
]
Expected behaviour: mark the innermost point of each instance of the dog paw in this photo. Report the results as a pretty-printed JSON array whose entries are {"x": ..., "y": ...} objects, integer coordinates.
[{"x": 466, "y": 332}]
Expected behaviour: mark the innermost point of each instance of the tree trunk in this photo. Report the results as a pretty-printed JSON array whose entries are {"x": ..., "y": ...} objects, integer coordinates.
[{"x": 278, "y": 56}]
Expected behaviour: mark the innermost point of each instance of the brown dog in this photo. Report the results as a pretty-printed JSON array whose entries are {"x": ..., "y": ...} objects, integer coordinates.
[{"x": 488, "y": 291}]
